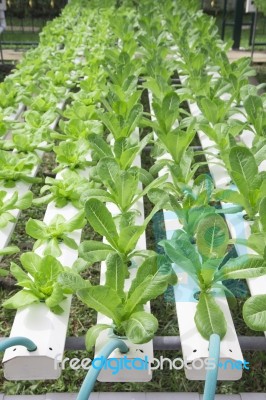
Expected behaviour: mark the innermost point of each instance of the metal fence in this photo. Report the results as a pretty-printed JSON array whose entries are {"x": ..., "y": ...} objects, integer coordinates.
[
  {"x": 31, "y": 15},
  {"x": 21, "y": 21}
]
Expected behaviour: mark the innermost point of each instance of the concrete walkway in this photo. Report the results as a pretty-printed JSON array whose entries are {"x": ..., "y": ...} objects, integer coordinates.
[
  {"x": 12, "y": 55},
  {"x": 258, "y": 57},
  {"x": 33, "y": 29}
]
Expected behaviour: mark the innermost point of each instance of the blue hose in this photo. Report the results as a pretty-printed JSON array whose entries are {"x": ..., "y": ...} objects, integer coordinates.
[
  {"x": 17, "y": 341},
  {"x": 212, "y": 374},
  {"x": 89, "y": 381}
]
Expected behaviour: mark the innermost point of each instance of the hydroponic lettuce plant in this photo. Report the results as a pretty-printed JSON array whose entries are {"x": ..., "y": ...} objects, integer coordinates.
[
  {"x": 61, "y": 79},
  {"x": 8, "y": 93},
  {"x": 237, "y": 74},
  {"x": 122, "y": 126},
  {"x": 121, "y": 234},
  {"x": 124, "y": 112},
  {"x": 215, "y": 89},
  {"x": 123, "y": 186},
  {"x": 154, "y": 46},
  {"x": 3, "y": 125},
  {"x": 257, "y": 239},
  {"x": 256, "y": 114},
  {"x": 123, "y": 69},
  {"x": 239, "y": 69},
  {"x": 37, "y": 120},
  {"x": 205, "y": 264},
  {"x": 72, "y": 155},
  {"x": 154, "y": 49},
  {"x": 76, "y": 129},
  {"x": 233, "y": 79},
  {"x": 182, "y": 173},
  {"x": 15, "y": 202},
  {"x": 198, "y": 194},
  {"x": 158, "y": 83},
  {"x": 215, "y": 110},
  {"x": 191, "y": 203},
  {"x": 41, "y": 103},
  {"x": 254, "y": 312},
  {"x": 251, "y": 183},
  {"x": 27, "y": 143},
  {"x": 70, "y": 188},
  {"x": 224, "y": 135},
  {"x": 124, "y": 308},
  {"x": 56, "y": 232},
  {"x": 91, "y": 89},
  {"x": 38, "y": 278},
  {"x": 124, "y": 151},
  {"x": 174, "y": 136},
  {"x": 193, "y": 64},
  {"x": 16, "y": 167},
  {"x": 79, "y": 111},
  {"x": 4, "y": 252}
]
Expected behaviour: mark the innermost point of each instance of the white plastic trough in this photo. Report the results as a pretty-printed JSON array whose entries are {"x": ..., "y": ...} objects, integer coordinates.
[
  {"x": 36, "y": 321},
  {"x": 139, "y": 354},
  {"x": 139, "y": 351},
  {"x": 14, "y": 116},
  {"x": 42, "y": 326},
  {"x": 21, "y": 188},
  {"x": 238, "y": 226},
  {"x": 194, "y": 347}
]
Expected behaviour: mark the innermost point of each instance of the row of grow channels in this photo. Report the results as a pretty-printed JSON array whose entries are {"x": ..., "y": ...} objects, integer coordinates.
[
  {"x": 99, "y": 216},
  {"x": 241, "y": 150},
  {"x": 126, "y": 234},
  {"x": 26, "y": 297},
  {"x": 184, "y": 294},
  {"x": 175, "y": 252},
  {"x": 67, "y": 64}
]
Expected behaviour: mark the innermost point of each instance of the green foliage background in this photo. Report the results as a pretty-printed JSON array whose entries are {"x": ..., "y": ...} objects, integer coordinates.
[
  {"x": 35, "y": 8},
  {"x": 261, "y": 5}
]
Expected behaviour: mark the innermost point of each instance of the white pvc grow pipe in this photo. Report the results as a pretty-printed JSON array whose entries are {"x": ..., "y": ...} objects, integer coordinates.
[
  {"x": 238, "y": 226},
  {"x": 21, "y": 188},
  {"x": 194, "y": 347},
  {"x": 136, "y": 351},
  {"x": 46, "y": 329}
]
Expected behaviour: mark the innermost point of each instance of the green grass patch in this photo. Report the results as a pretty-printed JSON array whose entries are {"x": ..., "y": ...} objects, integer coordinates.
[{"x": 260, "y": 32}]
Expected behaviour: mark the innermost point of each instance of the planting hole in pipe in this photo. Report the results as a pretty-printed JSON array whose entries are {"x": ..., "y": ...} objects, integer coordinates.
[
  {"x": 123, "y": 352},
  {"x": 196, "y": 295},
  {"x": 247, "y": 218}
]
